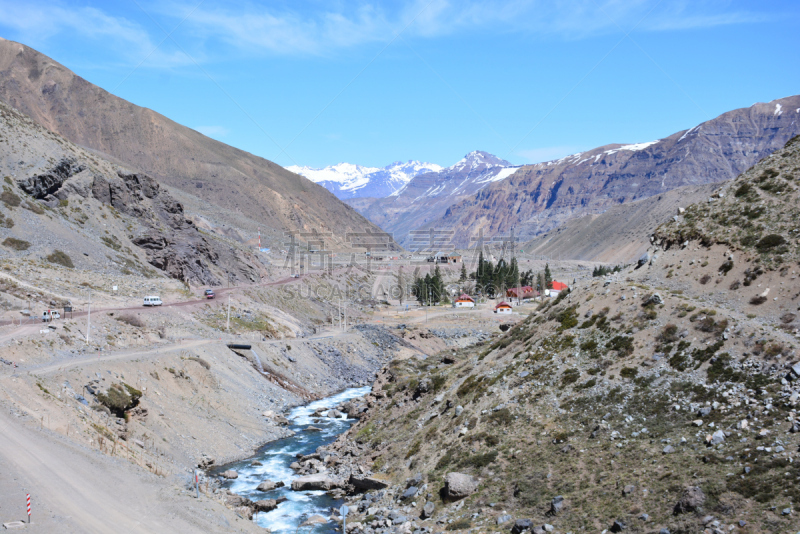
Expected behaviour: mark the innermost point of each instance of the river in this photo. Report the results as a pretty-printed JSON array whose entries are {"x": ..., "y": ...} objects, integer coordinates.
[{"x": 276, "y": 458}]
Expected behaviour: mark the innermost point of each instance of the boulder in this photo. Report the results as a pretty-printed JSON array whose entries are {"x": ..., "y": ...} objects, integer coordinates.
[
  {"x": 269, "y": 485},
  {"x": 521, "y": 525},
  {"x": 265, "y": 505},
  {"x": 428, "y": 509},
  {"x": 618, "y": 526},
  {"x": 557, "y": 505},
  {"x": 505, "y": 518},
  {"x": 643, "y": 260},
  {"x": 459, "y": 485},
  {"x": 315, "y": 519},
  {"x": 230, "y": 474},
  {"x": 315, "y": 482},
  {"x": 366, "y": 483},
  {"x": 692, "y": 500},
  {"x": 410, "y": 493}
]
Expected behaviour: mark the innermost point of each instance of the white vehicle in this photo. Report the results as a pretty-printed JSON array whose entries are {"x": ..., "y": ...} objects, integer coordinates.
[
  {"x": 49, "y": 315},
  {"x": 153, "y": 301}
]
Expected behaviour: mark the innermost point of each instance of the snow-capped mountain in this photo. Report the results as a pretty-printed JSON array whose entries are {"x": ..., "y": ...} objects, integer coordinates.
[
  {"x": 346, "y": 180},
  {"x": 428, "y": 195}
]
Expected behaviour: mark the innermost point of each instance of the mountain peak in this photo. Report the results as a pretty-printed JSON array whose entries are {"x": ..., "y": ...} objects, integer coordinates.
[{"x": 479, "y": 158}]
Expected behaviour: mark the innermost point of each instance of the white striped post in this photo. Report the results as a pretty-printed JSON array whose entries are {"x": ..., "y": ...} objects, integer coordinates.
[{"x": 28, "y": 499}]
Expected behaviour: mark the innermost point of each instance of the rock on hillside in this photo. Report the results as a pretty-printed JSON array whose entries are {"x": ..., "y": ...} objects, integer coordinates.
[
  {"x": 538, "y": 198},
  {"x": 249, "y": 191}
]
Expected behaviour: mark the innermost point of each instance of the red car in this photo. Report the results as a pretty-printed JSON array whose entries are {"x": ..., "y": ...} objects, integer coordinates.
[{"x": 209, "y": 294}]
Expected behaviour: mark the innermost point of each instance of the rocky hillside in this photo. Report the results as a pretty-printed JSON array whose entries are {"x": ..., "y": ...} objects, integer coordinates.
[
  {"x": 618, "y": 236},
  {"x": 759, "y": 212},
  {"x": 68, "y": 206},
  {"x": 541, "y": 197},
  {"x": 247, "y": 191},
  {"x": 427, "y": 196},
  {"x": 662, "y": 399}
]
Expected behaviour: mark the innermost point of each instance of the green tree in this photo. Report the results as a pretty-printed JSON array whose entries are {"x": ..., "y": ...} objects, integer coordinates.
[
  {"x": 548, "y": 277},
  {"x": 463, "y": 277}
]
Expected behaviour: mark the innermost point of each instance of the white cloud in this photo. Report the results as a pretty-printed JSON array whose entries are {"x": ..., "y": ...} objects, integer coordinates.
[
  {"x": 313, "y": 27},
  {"x": 213, "y": 131},
  {"x": 538, "y": 155},
  {"x": 36, "y": 21}
]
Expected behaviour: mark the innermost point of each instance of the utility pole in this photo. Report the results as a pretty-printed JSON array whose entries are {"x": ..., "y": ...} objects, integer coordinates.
[
  {"x": 228, "y": 324},
  {"x": 345, "y": 317},
  {"x": 89, "y": 317}
]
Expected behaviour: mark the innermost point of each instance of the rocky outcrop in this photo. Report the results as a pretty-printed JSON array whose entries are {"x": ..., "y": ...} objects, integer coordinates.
[{"x": 46, "y": 184}]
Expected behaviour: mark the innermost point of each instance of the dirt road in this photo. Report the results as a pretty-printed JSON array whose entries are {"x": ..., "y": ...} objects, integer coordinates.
[{"x": 75, "y": 490}]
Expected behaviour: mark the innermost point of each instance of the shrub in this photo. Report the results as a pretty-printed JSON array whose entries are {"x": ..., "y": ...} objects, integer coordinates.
[
  {"x": 459, "y": 524},
  {"x": 622, "y": 344},
  {"x": 629, "y": 372},
  {"x": 705, "y": 279},
  {"x": 120, "y": 398},
  {"x": 502, "y": 417},
  {"x": 758, "y": 299},
  {"x": 743, "y": 190},
  {"x": 16, "y": 244},
  {"x": 61, "y": 258},
  {"x": 735, "y": 285},
  {"x": 726, "y": 266},
  {"x": 570, "y": 376},
  {"x": 669, "y": 334},
  {"x": 34, "y": 207},
  {"x": 10, "y": 199},
  {"x": 769, "y": 242},
  {"x": 6, "y": 222},
  {"x": 479, "y": 460},
  {"x": 132, "y": 320}
]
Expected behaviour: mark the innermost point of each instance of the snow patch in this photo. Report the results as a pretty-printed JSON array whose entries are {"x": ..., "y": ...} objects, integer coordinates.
[
  {"x": 638, "y": 146},
  {"x": 688, "y": 132},
  {"x": 777, "y": 110}
]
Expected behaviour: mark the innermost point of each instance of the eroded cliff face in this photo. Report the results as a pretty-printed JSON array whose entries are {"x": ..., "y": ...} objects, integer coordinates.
[{"x": 540, "y": 197}]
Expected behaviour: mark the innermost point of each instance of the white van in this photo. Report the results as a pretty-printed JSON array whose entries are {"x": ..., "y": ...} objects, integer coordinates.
[
  {"x": 152, "y": 301},
  {"x": 50, "y": 315}
]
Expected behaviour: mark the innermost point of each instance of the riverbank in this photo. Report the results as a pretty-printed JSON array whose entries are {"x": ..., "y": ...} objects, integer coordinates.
[{"x": 273, "y": 462}]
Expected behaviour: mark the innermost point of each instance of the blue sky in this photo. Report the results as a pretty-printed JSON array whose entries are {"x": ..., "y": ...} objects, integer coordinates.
[{"x": 319, "y": 82}]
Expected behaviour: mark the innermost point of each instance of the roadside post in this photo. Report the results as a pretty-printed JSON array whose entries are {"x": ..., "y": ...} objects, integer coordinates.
[
  {"x": 28, "y": 499},
  {"x": 196, "y": 484},
  {"x": 343, "y": 510}
]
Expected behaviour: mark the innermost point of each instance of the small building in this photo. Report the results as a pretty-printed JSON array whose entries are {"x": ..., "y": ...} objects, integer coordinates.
[
  {"x": 521, "y": 292},
  {"x": 503, "y": 308},
  {"x": 464, "y": 301},
  {"x": 559, "y": 286}
]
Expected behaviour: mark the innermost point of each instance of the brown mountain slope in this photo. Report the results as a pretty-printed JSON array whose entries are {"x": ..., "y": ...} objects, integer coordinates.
[
  {"x": 540, "y": 197},
  {"x": 57, "y": 196},
  {"x": 175, "y": 155},
  {"x": 619, "y": 235}
]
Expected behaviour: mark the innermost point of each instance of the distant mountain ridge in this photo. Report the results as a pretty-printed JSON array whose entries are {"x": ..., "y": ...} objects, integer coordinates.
[
  {"x": 428, "y": 195},
  {"x": 538, "y": 198},
  {"x": 346, "y": 180}
]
